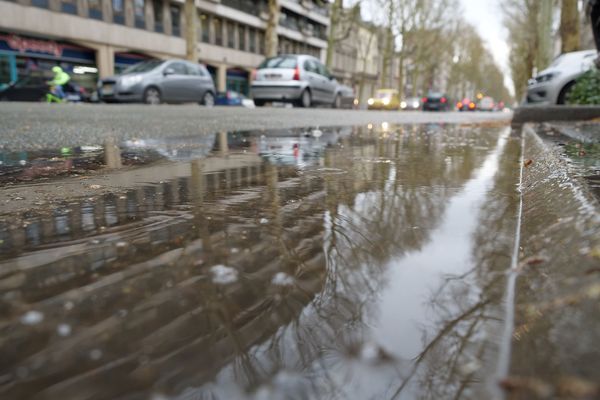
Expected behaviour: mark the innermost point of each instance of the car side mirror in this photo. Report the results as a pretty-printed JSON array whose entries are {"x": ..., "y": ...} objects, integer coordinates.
[{"x": 168, "y": 71}]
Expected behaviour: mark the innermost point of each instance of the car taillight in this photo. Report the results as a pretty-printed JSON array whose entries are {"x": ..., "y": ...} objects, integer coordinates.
[
  {"x": 443, "y": 100},
  {"x": 228, "y": 95},
  {"x": 459, "y": 105},
  {"x": 471, "y": 105},
  {"x": 296, "y": 74},
  {"x": 424, "y": 100},
  {"x": 253, "y": 74}
]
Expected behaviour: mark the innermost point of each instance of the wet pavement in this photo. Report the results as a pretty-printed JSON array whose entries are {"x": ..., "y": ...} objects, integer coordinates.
[{"x": 363, "y": 262}]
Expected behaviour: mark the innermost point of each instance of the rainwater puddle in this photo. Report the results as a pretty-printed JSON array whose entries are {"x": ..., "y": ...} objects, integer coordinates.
[{"x": 360, "y": 263}]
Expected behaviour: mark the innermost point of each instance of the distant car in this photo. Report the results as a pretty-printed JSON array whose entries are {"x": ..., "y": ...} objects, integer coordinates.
[
  {"x": 384, "y": 99},
  {"x": 466, "y": 105},
  {"x": 486, "y": 104},
  {"x": 158, "y": 81},
  {"x": 435, "y": 101},
  {"x": 411, "y": 103},
  {"x": 34, "y": 88},
  {"x": 299, "y": 79},
  {"x": 552, "y": 85}
]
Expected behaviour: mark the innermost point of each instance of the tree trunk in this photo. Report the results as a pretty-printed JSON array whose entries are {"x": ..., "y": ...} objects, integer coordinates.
[
  {"x": 336, "y": 9},
  {"x": 271, "y": 38},
  {"x": 569, "y": 26},
  {"x": 191, "y": 27}
]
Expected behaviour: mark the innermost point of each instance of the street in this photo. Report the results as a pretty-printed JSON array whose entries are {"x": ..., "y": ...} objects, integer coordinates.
[{"x": 187, "y": 252}]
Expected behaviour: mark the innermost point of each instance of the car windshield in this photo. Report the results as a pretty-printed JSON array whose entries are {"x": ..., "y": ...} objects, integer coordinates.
[
  {"x": 279, "y": 62},
  {"x": 144, "y": 66},
  {"x": 435, "y": 95},
  {"x": 384, "y": 95}
]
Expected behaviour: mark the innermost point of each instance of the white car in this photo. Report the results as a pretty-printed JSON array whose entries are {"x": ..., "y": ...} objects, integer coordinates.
[{"x": 552, "y": 85}]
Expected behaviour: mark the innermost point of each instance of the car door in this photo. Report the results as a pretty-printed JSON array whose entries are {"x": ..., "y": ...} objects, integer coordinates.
[
  {"x": 175, "y": 81},
  {"x": 196, "y": 83},
  {"x": 315, "y": 81},
  {"x": 206, "y": 80},
  {"x": 328, "y": 83}
]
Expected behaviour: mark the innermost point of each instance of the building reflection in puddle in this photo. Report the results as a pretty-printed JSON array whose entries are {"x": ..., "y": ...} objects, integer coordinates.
[{"x": 262, "y": 268}]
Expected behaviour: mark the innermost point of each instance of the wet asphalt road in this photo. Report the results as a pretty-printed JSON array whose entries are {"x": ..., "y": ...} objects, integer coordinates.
[{"x": 28, "y": 126}]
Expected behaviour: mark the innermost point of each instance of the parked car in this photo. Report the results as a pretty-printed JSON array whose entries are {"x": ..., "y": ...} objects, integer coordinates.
[
  {"x": 486, "y": 104},
  {"x": 299, "y": 79},
  {"x": 35, "y": 88},
  {"x": 435, "y": 101},
  {"x": 158, "y": 81},
  {"x": 552, "y": 85},
  {"x": 411, "y": 103},
  {"x": 384, "y": 99}
]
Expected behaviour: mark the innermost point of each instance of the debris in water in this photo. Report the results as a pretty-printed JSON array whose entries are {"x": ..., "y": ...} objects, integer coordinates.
[
  {"x": 223, "y": 274},
  {"x": 282, "y": 279},
  {"x": 63, "y": 329},
  {"x": 527, "y": 163},
  {"x": 264, "y": 221},
  {"x": 32, "y": 318},
  {"x": 95, "y": 186}
]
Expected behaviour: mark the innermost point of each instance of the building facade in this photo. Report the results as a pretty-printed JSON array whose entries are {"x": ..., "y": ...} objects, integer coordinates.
[{"x": 97, "y": 38}]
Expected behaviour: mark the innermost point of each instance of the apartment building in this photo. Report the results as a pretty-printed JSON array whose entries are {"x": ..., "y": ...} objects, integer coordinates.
[{"x": 97, "y": 38}]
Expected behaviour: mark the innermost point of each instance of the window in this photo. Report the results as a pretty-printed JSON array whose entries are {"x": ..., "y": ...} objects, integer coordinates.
[
  {"x": 95, "y": 9},
  {"x": 138, "y": 10},
  {"x": 280, "y": 62},
  {"x": 68, "y": 6},
  {"x": 193, "y": 69},
  {"x": 178, "y": 68},
  {"x": 310, "y": 66},
  {"x": 175, "y": 20},
  {"x": 261, "y": 42},
  {"x": 230, "y": 35},
  {"x": 157, "y": 5},
  {"x": 242, "y": 37},
  {"x": 218, "y": 31},
  {"x": 203, "y": 27},
  {"x": 40, "y": 3},
  {"x": 252, "y": 39},
  {"x": 118, "y": 11}
]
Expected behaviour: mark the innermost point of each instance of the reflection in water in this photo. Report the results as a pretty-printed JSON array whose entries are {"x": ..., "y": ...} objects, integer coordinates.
[{"x": 360, "y": 264}]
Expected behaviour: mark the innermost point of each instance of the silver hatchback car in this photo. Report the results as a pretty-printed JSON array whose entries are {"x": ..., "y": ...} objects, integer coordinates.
[
  {"x": 157, "y": 81},
  {"x": 552, "y": 85},
  {"x": 299, "y": 79}
]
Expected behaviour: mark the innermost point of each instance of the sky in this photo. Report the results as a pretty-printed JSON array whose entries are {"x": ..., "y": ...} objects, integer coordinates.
[{"x": 486, "y": 16}]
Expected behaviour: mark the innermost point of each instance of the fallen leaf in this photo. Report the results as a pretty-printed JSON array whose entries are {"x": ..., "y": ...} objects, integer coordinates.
[{"x": 528, "y": 163}]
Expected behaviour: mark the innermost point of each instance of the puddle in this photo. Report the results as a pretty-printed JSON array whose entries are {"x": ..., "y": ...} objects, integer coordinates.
[{"x": 351, "y": 263}]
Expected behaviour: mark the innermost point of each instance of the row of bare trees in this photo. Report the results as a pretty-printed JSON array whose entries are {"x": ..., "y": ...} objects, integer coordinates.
[{"x": 531, "y": 38}]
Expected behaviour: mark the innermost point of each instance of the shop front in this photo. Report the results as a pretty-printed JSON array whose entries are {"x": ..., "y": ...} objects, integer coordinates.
[{"x": 24, "y": 56}]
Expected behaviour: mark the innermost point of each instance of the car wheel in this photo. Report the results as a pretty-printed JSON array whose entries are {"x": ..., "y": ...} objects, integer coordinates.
[
  {"x": 208, "y": 100},
  {"x": 152, "y": 96},
  {"x": 564, "y": 93},
  {"x": 305, "y": 99},
  {"x": 259, "y": 103},
  {"x": 337, "y": 102}
]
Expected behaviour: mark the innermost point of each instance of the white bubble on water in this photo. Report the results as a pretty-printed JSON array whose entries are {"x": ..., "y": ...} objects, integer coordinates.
[
  {"x": 32, "y": 318},
  {"x": 223, "y": 274},
  {"x": 96, "y": 354},
  {"x": 282, "y": 279},
  {"x": 264, "y": 221},
  {"x": 63, "y": 329}
]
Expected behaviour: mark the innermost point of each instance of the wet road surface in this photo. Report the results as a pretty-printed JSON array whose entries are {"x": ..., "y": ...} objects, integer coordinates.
[{"x": 342, "y": 263}]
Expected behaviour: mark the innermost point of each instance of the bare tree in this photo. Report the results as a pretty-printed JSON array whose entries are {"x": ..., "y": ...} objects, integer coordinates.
[
  {"x": 191, "y": 27},
  {"x": 341, "y": 24},
  {"x": 569, "y": 26},
  {"x": 271, "y": 38}
]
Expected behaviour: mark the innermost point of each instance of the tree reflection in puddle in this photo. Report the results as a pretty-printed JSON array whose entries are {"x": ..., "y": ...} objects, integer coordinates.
[{"x": 393, "y": 246}]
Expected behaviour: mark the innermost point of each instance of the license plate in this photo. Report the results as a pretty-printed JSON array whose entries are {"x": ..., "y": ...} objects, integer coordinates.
[
  {"x": 107, "y": 89},
  {"x": 273, "y": 76}
]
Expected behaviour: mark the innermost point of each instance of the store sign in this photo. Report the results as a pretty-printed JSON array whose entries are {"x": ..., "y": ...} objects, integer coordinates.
[{"x": 24, "y": 45}]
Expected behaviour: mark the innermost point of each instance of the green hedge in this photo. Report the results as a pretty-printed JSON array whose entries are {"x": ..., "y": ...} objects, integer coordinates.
[{"x": 586, "y": 89}]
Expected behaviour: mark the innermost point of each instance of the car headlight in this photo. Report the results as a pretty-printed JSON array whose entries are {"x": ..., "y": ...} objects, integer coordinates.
[
  {"x": 416, "y": 104},
  {"x": 545, "y": 77},
  {"x": 127, "y": 81},
  {"x": 370, "y": 102},
  {"x": 386, "y": 101},
  {"x": 403, "y": 105}
]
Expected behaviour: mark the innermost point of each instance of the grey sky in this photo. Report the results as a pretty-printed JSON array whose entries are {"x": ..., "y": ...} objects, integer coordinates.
[{"x": 486, "y": 15}]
